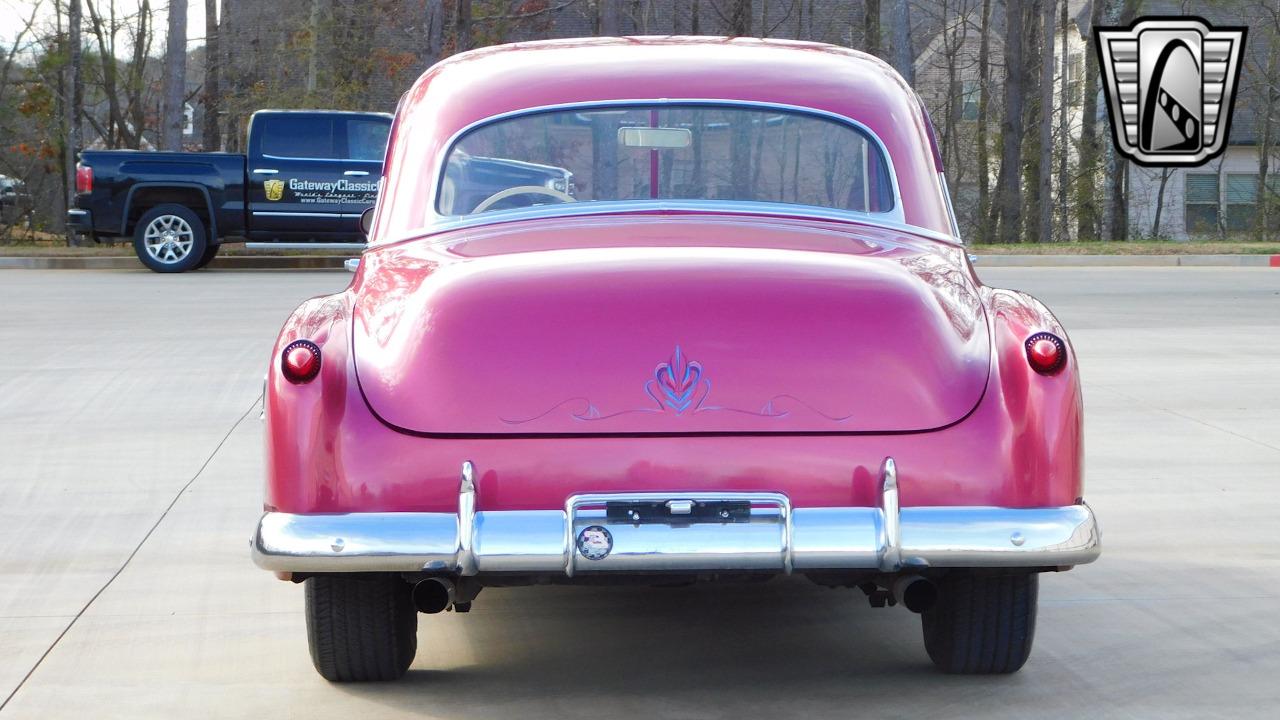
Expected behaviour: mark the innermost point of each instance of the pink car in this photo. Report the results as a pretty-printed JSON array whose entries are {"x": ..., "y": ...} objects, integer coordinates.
[{"x": 647, "y": 309}]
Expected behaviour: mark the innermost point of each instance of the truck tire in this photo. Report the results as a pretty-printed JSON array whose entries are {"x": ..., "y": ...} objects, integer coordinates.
[
  {"x": 360, "y": 627},
  {"x": 210, "y": 252},
  {"x": 982, "y": 624},
  {"x": 170, "y": 238}
]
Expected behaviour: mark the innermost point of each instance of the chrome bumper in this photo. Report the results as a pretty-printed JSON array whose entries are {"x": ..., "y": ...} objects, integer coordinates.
[{"x": 776, "y": 538}]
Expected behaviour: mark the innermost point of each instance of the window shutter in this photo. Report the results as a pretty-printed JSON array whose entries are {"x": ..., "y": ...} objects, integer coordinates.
[
  {"x": 1242, "y": 189},
  {"x": 1202, "y": 188}
]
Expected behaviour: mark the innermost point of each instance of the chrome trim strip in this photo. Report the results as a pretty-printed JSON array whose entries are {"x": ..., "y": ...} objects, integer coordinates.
[
  {"x": 355, "y": 247},
  {"x": 73, "y": 212},
  {"x": 436, "y": 223},
  {"x": 273, "y": 213},
  {"x": 540, "y": 541}
]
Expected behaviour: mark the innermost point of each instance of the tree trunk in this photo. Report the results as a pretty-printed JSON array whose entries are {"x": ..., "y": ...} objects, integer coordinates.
[
  {"x": 1008, "y": 185},
  {"x": 174, "y": 78},
  {"x": 212, "y": 93},
  {"x": 903, "y": 55},
  {"x": 985, "y": 224},
  {"x": 1263, "y": 227},
  {"x": 1062, "y": 234},
  {"x": 434, "y": 33},
  {"x": 1044, "y": 208},
  {"x": 462, "y": 26},
  {"x": 1118, "y": 187},
  {"x": 1155, "y": 223},
  {"x": 1088, "y": 220},
  {"x": 136, "y": 117},
  {"x": 739, "y": 18},
  {"x": 871, "y": 27},
  {"x": 608, "y": 18},
  {"x": 75, "y": 104}
]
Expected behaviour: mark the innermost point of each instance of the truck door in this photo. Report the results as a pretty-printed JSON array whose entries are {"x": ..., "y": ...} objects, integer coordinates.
[{"x": 301, "y": 185}]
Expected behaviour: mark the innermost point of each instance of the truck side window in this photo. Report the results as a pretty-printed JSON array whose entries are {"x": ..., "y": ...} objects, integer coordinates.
[
  {"x": 367, "y": 139},
  {"x": 300, "y": 136}
]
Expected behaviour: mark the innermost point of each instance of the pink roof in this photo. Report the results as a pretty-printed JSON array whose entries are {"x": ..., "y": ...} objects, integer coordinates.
[{"x": 482, "y": 83}]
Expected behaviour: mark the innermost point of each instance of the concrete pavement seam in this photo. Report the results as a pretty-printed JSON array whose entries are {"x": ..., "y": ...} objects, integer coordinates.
[
  {"x": 136, "y": 549},
  {"x": 1196, "y": 420}
]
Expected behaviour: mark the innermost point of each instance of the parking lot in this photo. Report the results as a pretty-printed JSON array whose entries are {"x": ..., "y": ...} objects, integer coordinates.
[{"x": 130, "y": 467}]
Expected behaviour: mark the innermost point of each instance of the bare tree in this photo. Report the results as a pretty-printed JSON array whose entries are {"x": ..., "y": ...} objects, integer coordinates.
[
  {"x": 1008, "y": 184},
  {"x": 871, "y": 26},
  {"x": 1064, "y": 128},
  {"x": 462, "y": 25},
  {"x": 212, "y": 90},
  {"x": 1118, "y": 186},
  {"x": 1164, "y": 181},
  {"x": 1088, "y": 217},
  {"x": 608, "y": 17},
  {"x": 985, "y": 222},
  {"x": 735, "y": 15},
  {"x": 903, "y": 55},
  {"x": 74, "y": 105},
  {"x": 1048, "y": 20},
  {"x": 174, "y": 78},
  {"x": 434, "y": 31}
]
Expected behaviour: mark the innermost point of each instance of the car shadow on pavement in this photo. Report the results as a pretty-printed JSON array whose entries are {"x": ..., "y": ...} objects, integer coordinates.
[{"x": 701, "y": 649}]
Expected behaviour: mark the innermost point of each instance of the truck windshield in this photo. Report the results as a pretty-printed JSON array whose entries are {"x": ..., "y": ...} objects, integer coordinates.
[{"x": 665, "y": 152}]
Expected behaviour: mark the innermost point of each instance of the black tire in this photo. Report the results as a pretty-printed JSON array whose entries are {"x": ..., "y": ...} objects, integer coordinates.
[
  {"x": 189, "y": 242},
  {"x": 361, "y": 628},
  {"x": 982, "y": 624},
  {"x": 210, "y": 252}
]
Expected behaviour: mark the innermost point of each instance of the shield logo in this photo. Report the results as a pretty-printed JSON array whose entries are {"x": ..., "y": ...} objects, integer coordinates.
[
  {"x": 273, "y": 188},
  {"x": 1170, "y": 87}
]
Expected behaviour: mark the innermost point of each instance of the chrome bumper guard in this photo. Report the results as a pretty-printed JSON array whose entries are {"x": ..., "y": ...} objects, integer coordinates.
[{"x": 775, "y": 538}]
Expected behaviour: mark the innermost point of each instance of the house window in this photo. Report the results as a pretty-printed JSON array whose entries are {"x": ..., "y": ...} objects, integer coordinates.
[
  {"x": 1241, "y": 201},
  {"x": 970, "y": 93},
  {"x": 1201, "y": 203}
]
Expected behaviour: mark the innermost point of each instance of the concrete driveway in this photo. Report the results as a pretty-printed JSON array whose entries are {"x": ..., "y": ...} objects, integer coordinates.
[{"x": 130, "y": 464}]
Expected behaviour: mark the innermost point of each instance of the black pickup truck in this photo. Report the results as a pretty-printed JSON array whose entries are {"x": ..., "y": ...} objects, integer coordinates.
[{"x": 308, "y": 176}]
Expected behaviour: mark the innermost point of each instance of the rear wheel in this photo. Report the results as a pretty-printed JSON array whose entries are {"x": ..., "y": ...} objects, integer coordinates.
[
  {"x": 361, "y": 627},
  {"x": 170, "y": 238},
  {"x": 982, "y": 624}
]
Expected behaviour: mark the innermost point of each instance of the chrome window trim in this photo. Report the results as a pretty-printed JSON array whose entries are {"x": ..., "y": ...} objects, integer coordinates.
[{"x": 437, "y": 222}]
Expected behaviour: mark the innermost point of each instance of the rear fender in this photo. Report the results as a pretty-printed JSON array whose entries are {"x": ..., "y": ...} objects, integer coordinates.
[{"x": 1044, "y": 439}]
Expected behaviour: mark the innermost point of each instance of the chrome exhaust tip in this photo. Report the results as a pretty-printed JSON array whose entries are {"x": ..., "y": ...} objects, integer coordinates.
[
  {"x": 915, "y": 593},
  {"x": 433, "y": 595}
]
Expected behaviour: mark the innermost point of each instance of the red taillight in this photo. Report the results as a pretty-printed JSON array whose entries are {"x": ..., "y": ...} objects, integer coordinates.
[
  {"x": 300, "y": 361},
  {"x": 84, "y": 178},
  {"x": 1046, "y": 352}
]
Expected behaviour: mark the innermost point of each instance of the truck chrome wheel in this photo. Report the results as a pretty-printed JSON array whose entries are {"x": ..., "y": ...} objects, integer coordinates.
[{"x": 169, "y": 239}]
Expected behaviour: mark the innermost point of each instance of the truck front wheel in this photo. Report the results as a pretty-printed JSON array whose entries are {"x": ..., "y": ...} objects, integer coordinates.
[
  {"x": 982, "y": 624},
  {"x": 361, "y": 627},
  {"x": 170, "y": 238}
]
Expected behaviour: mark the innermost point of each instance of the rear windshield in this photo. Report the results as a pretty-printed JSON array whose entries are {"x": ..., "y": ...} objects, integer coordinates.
[{"x": 665, "y": 152}]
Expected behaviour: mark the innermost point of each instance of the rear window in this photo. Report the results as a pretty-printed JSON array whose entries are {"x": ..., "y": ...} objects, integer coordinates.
[
  {"x": 665, "y": 152},
  {"x": 367, "y": 138},
  {"x": 298, "y": 136}
]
